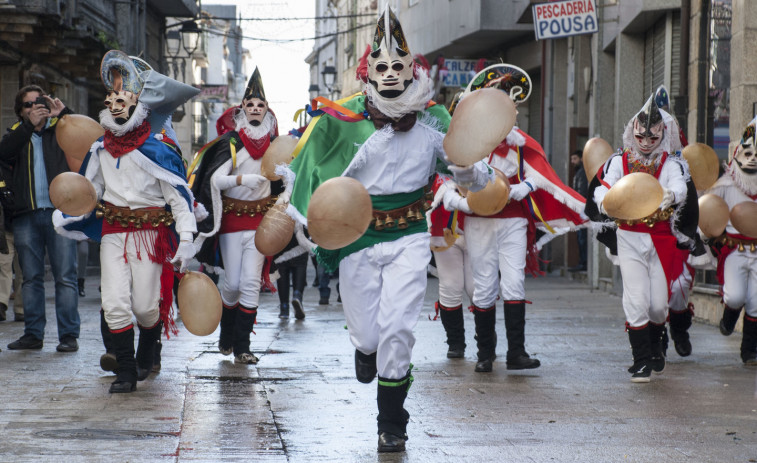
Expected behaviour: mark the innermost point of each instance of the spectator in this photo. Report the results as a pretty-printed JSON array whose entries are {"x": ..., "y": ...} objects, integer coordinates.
[
  {"x": 31, "y": 148},
  {"x": 581, "y": 185}
]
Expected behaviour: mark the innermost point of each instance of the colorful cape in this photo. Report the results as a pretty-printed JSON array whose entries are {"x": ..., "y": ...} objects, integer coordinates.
[
  {"x": 329, "y": 145},
  {"x": 555, "y": 207}
]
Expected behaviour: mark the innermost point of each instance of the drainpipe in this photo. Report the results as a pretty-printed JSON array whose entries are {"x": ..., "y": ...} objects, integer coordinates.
[{"x": 702, "y": 80}]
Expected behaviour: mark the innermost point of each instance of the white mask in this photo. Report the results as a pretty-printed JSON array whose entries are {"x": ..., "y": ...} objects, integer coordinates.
[{"x": 390, "y": 63}]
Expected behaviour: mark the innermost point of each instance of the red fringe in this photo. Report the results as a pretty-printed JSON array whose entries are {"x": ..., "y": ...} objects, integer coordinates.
[
  {"x": 165, "y": 247},
  {"x": 533, "y": 260},
  {"x": 361, "y": 73},
  {"x": 266, "y": 277}
]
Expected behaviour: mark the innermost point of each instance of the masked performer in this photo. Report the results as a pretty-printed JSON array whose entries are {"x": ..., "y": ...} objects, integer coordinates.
[
  {"x": 737, "y": 258},
  {"x": 139, "y": 175},
  {"x": 504, "y": 246},
  {"x": 651, "y": 255},
  {"x": 453, "y": 267},
  {"x": 389, "y": 139},
  {"x": 228, "y": 183}
]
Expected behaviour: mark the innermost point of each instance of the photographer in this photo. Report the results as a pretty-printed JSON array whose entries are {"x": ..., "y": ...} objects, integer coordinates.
[{"x": 32, "y": 150}]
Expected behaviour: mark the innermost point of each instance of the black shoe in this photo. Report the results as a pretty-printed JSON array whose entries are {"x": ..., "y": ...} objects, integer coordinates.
[
  {"x": 365, "y": 367},
  {"x": 81, "y": 287},
  {"x": 729, "y": 320},
  {"x": 299, "y": 314},
  {"x": 119, "y": 387},
  {"x": 390, "y": 443},
  {"x": 456, "y": 352},
  {"x": 682, "y": 346},
  {"x": 749, "y": 358},
  {"x": 68, "y": 344},
  {"x": 657, "y": 364},
  {"x": 18, "y": 317},
  {"x": 26, "y": 341},
  {"x": 484, "y": 366},
  {"x": 3, "y": 310},
  {"x": 641, "y": 372},
  {"x": 522, "y": 362},
  {"x": 284, "y": 312},
  {"x": 323, "y": 301},
  {"x": 316, "y": 283},
  {"x": 108, "y": 362}
]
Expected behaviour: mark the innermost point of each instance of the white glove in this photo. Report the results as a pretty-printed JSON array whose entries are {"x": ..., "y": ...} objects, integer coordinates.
[
  {"x": 520, "y": 190},
  {"x": 184, "y": 254},
  {"x": 253, "y": 181},
  {"x": 667, "y": 199},
  {"x": 452, "y": 200},
  {"x": 224, "y": 182},
  {"x": 283, "y": 197},
  {"x": 464, "y": 176}
]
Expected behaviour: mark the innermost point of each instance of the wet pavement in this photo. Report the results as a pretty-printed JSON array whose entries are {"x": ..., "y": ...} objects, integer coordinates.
[{"x": 301, "y": 402}]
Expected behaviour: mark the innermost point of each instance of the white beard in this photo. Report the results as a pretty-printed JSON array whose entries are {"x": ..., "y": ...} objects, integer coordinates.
[
  {"x": 108, "y": 122},
  {"x": 746, "y": 182},
  {"x": 267, "y": 126},
  {"x": 413, "y": 99}
]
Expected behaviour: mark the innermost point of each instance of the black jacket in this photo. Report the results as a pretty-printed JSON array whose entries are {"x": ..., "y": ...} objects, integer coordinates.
[{"x": 16, "y": 150}]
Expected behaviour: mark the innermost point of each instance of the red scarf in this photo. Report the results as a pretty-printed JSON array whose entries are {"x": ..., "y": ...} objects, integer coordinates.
[
  {"x": 118, "y": 146},
  {"x": 256, "y": 148}
]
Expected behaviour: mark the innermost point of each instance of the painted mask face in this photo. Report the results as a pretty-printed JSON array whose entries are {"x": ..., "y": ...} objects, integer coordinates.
[
  {"x": 121, "y": 105},
  {"x": 746, "y": 154},
  {"x": 647, "y": 140},
  {"x": 390, "y": 73},
  {"x": 255, "y": 109}
]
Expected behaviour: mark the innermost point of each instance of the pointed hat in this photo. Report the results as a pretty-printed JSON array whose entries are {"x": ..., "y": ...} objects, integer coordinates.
[{"x": 255, "y": 87}]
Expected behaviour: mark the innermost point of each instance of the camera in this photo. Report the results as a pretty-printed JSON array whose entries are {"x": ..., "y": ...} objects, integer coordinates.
[{"x": 41, "y": 100}]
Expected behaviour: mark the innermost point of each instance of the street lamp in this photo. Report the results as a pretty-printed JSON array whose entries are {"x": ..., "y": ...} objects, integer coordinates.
[
  {"x": 314, "y": 90},
  {"x": 190, "y": 36},
  {"x": 329, "y": 75}
]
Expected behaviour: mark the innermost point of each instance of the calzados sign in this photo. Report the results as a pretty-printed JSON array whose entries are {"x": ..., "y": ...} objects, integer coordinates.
[{"x": 564, "y": 18}]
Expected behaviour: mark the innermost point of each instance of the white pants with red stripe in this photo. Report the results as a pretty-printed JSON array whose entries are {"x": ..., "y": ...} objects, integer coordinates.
[
  {"x": 455, "y": 273},
  {"x": 740, "y": 285},
  {"x": 382, "y": 289},
  {"x": 131, "y": 287},
  {"x": 645, "y": 287},
  {"x": 243, "y": 267},
  {"x": 497, "y": 250}
]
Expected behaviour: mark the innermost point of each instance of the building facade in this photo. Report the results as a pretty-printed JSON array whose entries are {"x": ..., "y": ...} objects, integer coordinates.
[{"x": 587, "y": 85}]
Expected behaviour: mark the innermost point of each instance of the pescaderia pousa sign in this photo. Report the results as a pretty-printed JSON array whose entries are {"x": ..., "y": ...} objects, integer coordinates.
[{"x": 564, "y": 18}]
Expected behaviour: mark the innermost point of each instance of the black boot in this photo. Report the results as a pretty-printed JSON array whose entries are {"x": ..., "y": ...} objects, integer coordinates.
[
  {"x": 749, "y": 341},
  {"x": 452, "y": 320},
  {"x": 126, "y": 375},
  {"x": 392, "y": 416},
  {"x": 299, "y": 312},
  {"x": 242, "y": 329},
  {"x": 81, "y": 287},
  {"x": 486, "y": 337},
  {"x": 657, "y": 333},
  {"x": 365, "y": 367},
  {"x": 515, "y": 325},
  {"x": 228, "y": 319},
  {"x": 108, "y": 360},
  {"x": 728, "y": 322},
  {"x": 680, "y": 322},
  {"x": 156, "y": 362},
  {"x": 148, "y": 338},
  {"x": 284, "y": 311},
  {"x": 641, "y": 349}
]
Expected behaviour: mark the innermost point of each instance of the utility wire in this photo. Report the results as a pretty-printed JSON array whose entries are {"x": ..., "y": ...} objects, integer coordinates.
[
  {"x": 312, "y": 18},
  {"x": 230, "y": 34}
]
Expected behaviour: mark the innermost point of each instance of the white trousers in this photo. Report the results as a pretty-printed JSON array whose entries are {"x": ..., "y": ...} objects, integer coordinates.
[
  {"x": 130, "y": 287},
  {"x": 740, "y": 285},
  {"x": 497, "y": 250},
  {"x": 645, "y": 287},
  {"x": 455, "y": 274},
  {"x": 679, "y": 295},
  {"x": 382, "y": 289},
  {"x": 243, "y": 267}
]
